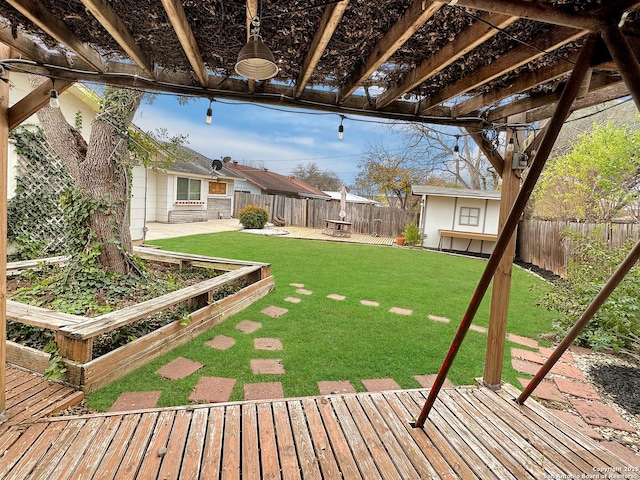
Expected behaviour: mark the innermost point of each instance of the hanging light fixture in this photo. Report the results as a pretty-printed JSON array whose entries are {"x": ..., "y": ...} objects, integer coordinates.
[
  {"x": 53, "y": 99},
  {"x": 456, "y": 148},
  {"x": 511, "y": 145},
  {"x": 341, "y": 129},
  {"x": 208, "y": 119},
  {"x": 255, "y": 60}
]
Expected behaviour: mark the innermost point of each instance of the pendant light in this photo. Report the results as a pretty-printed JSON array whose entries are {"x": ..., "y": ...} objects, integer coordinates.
[{"x": 255, "y": 60}]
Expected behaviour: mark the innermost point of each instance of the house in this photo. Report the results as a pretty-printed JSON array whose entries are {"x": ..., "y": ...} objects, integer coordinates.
[
  {"x": 266, "y": 182},
  {"x": 193, "y": 189},
  {"x": 458, "y": 219}
]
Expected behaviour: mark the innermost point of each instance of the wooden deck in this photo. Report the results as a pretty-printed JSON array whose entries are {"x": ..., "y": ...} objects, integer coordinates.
[{"x": 473, "y": 432}]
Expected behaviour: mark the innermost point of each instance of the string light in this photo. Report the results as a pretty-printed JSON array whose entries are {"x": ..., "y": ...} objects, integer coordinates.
[
  {"x": 456, "y": 148},
  {"x": 341, "y": 128},
  {"x": 209, "y": 118},
  {"x": 511, "y": 145},
  {"x": 53, "y": 99}
]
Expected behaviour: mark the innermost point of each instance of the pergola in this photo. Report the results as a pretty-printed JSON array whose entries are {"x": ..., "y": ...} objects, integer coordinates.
[{"x": 483, "y": 65}]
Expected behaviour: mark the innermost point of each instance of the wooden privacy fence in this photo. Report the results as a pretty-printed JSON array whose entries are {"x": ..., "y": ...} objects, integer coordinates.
[
  {"x": 541, "y": 242},
  {"x": 312, "y": 213}
]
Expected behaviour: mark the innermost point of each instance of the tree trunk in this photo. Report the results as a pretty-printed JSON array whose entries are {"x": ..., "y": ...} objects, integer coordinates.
[{"x": 101, "y": 169}]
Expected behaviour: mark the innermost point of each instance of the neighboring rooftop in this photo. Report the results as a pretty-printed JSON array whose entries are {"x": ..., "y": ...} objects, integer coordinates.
[
  {"x": 274, "y": 183},
  {"x": 454, "y": 192}
]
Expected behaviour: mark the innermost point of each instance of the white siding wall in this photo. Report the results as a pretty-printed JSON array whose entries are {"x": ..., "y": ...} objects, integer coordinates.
[
  {"x": 244, "y": 186},
  {"x": 137, "y": 207}
]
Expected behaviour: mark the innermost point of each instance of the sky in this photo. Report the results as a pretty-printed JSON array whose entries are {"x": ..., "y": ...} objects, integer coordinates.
[{"x": 265, "y": 136}]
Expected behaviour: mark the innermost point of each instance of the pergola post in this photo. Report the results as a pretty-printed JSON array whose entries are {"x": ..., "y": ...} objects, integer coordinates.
[
  {"x": 4, "y": 160},
  {"x": 502, "y": 277}
]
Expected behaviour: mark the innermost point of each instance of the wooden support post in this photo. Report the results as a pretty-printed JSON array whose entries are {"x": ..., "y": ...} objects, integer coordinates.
[
  {"x": 502, "y": 277},
  {"x": 555, "y": 125},
  {"x": 78, "y": 350},
  {"x": 625, "y": 59},
  {"x": 4, "y": 160}
]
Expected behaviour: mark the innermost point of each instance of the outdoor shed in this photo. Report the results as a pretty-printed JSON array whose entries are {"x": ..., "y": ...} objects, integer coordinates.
[{"x": 458, "y": 218}]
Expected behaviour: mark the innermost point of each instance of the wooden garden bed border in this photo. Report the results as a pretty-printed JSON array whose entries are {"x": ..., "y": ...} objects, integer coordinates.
[{"x": 74, "y": 335}]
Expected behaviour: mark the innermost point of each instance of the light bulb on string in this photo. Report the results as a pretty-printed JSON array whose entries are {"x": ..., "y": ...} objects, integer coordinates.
[
  {"x": 209, "y": 118},
  {"x": 53, "y": 99},
  {"x": 456, "y": 148},
  {"x": 511, "y": 145},
  {"x": 341, "y": 129}
]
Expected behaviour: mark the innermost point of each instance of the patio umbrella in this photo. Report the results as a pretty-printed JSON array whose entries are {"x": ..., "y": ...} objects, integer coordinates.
[{"x": 343, "y": 203}]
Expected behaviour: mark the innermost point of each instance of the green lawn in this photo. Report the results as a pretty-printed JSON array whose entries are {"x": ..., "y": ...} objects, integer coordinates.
[{"x": 326, "y": 339}]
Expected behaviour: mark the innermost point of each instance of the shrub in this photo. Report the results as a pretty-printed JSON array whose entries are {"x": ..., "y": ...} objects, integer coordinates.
[
  {"x": 253, "y": 216},
  {"x": 411, "y": 234},
  {"x": 617, "y": 323}
]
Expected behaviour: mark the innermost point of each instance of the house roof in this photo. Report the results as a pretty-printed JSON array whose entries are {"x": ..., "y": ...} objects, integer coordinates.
[
  {"x": 351, "y": 198},
  {"x": 430, "y": 190},
  {"x": 194, "y": 163},
  {"x": 271, "y": 182}
]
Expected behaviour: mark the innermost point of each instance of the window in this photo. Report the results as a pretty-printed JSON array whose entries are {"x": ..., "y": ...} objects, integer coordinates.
[
  {"x": 188, "y": 189},
  {"x": 469, "y": 216},
  {"x": 217, "y": 188}
]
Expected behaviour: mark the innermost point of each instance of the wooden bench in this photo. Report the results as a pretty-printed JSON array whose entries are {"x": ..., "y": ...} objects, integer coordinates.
[
  {"x": 471, "y": 236},
  {"x": 337, "y": 228}
]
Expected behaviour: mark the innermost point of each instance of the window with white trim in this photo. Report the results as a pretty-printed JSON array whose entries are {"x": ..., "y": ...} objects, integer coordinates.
[
  {"x": 188, "y": 189},
  {"x": 469, "y": 216}
]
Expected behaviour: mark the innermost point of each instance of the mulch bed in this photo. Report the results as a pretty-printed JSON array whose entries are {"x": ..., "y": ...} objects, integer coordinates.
[{"x": 621, "y": 382}]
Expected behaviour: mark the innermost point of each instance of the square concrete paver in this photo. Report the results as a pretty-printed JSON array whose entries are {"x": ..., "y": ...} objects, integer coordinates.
[
  {"x": 478, "y": 328},
  {"x": 546, "y": 390},
  {"x": 267, "y": 366},
  {"x": 221, "y": 342},
  {"x": 267, "y": 344},
  {"x": 303, "y": 291},
  {"x": 528, "y": 355},
  {"x": 437, "y": 318},
  {"x": 212, "y": 389},
  {"x": 601, "y": 415},
  {"x": 380, "y": 384},
  {"x": 400, "y": 311},
  {"x": 523, "y": 366},
  {"x": 263, "y": 391},
  {"x": 369, "y": 303},
  {"x": 577, "y": 389},
  {"x": 179, "y": 368},
  {"x": 248, "y": 326},
  {"x": 335, "y": 296},
  {"x": 527, "y": 342},
  {"x": 577, "y": 422},
  {"x": 274, "y": 311},
  {"x": 426, "y": 381},
  {"x": 338, "y": 386},
  {"x": 135, "y": 401},
  {"x": 297, "y": 285},
  {"x": 292, "y": 300}
]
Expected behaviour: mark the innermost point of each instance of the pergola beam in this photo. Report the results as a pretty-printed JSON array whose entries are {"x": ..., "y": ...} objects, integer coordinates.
[
  {"x": 112, "y": 23},
  {"x": 416, "y": 15},
  {"x": 488, "y": 149},
  {"x": 328, "y": 24},
  {"x": 187, "y": 39},
  {"x": 469, "y": 39},
  {"x": 554, "y": 39},
  {"x": 54, "y": 27}
]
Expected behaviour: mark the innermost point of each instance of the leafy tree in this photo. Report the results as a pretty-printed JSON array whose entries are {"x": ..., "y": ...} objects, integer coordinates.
[
  {"x": 312, "y": 174},
  {"x": 596, "y": 181}
]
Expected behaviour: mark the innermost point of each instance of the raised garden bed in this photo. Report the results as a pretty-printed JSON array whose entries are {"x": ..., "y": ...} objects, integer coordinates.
[{"x": 75, "y": 334}]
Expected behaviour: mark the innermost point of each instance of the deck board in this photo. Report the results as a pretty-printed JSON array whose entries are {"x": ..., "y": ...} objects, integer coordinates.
[{"x": 472, "y": 432}]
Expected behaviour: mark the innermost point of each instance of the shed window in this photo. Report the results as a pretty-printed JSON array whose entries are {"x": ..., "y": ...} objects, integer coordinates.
[
  {"x": 469, "y": 216},
  {"x": 188, "y": 189},
  {"x": 217, "y": 188}
]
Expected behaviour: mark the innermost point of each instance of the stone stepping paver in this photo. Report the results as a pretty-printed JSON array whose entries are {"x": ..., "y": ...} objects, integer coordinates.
[
  {"x": 369, "y": 303},
  {"x": 212, "y": 390},
  {"x": 426, "y": 381},
  {"x": 267, "y": 344},
  {"x": 478, "y": 328},
  {"x": 527, "y": 355},
  {"x": 527, "y": 342},
  {"x": 263, "y": 391},
  {"x": 400, "y": 311},
  {"x": 567, "y": 371},
  {"x": 274, "y": 311},
  {"x": 179, "y": 368},
  {"x": 524, "y": 366},
  {"x": 380, "y": 384},
  {"x": 577, "y": 422},
  {"x": 297, "y": 285},
  {"x": 267, "y": 366},
  {"x": 221, "y": 342},
  {"x": 601, "y": 415},
  {"x": 128, "y": 401},
  {"x": 303, "y": 291},
  {"x": 335, "y": 296},
  {"x": 292, "y": 300},
  {"x": 436, "y": 318},
  {"x": 248, "y": 326},
  {"x": 577, "y": 389},
  {"x": 333, "y": 387},
  {"x": 546, "y": 390},
  {"x": 566, "y": 357}
]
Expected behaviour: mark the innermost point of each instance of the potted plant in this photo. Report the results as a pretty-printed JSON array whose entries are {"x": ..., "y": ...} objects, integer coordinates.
[{"x": 411, "y": 234}]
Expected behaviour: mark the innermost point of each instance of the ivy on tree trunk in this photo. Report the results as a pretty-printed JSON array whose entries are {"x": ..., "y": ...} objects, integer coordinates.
[{"x": 101, "y": 170}]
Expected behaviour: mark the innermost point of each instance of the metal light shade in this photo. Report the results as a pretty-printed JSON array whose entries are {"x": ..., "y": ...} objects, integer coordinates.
[{"x": 256, "y": 61}]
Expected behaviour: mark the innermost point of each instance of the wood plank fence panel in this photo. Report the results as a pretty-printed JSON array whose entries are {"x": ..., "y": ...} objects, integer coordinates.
[
  {"x": 312, "y": 213},
  {"x": 543, "y": 243}
]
